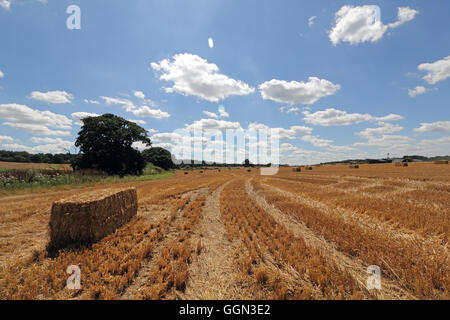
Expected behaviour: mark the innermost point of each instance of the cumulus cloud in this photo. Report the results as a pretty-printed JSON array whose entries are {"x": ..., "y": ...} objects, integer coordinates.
[
  {"x": 5, "y": 4},
  {"x": 37, "y": 129},
  {"x": 210, "y": 114},
  {"x": 2, "y": 75},
  {"x": 384, "y": 128},
  {"x": 91, "y": 101},
  {"x": 404, "y": 14},
  {"x": 51, "y": 145},
  {"x": 222, "y": 114},
  {"x": 289, "y": 110},
  {"x": 334, "y": 117},
  {"x": 438, "y": 126},
  {"x": 5, "y": 138},
  {"x": 55, "y": 97},
  {"x": 127, "y": 104},
  {"x": 311, "y": 20},
  {"x": 139, "y": 94},
  {"x": 357, "y": 24},
  {"x": 142, "y": 111},
  {"x": 385, "y": 140},
  {"x": 295, "y": 92},
  {"x": 145, "y": 111},
  {"x": 81, "y": 115},
  {"x": 194, "y": 76},
  {"x": 169, "y": 137},
  {"x": 34, "y": 121},
  {"x": 325, "y": 143},
  {"x": 213, "y": 124},
  {"x": 281, "y": 133},
  {"x": 436, "y": 71},
  {"x": 417, "y": 91},
  {"x": 141, "y": 122}
]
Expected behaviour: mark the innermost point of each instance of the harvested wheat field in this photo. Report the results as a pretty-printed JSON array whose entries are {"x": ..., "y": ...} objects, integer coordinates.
[{"x": 235, "y": 234}]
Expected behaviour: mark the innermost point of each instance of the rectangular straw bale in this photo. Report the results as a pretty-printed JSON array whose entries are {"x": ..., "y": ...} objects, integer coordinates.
[
  {"x": 88, "y": 217},
  {"x": 441, "y": 162}
]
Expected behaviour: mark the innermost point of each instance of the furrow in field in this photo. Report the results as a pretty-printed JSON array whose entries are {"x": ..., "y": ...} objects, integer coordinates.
[
  {"x": 356, "y": 267},
  {"x": 212, "y": 274},
  {"x": 276, "y": 261},
  {"x": 420, "y": 267},
  {"x": 393, "y": 212}
]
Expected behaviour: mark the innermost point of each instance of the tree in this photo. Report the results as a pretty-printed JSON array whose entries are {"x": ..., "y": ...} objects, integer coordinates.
[
  {"x": 159, "y": 157},
  {"x": 105, "y": 143},
  {"x": 246, "y": 163}
]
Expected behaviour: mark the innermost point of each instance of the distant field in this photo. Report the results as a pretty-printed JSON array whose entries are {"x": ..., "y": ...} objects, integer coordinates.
[
  {"x": 236, "y": 234},
  {"x": 21, "y": 165}
]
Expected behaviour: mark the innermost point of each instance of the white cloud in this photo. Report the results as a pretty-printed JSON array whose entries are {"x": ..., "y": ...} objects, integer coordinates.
[
  {"x": 210, "y": 114},
  {"x": 211, "y": 43},
  {"x": 417, "y": 91},
  {"x": 222, "y": 114},
  {"x": 141, "y": 122},
  {"x": 311, "y": 20},
  {"x": 81, "y": 115},
  {"x": 405, "y": 14},
  {"x": 34, "y": 121},
  {"x": 356, "y": 24},
  {"x": 194, "y": 76},
  {"x": 5, "y": 138},
  {"x": 5, "y": 4},
  {"x": 145, "y": 111},
  {"x": 213, "y": 124},
  {"x": 436, "y": 71},
  {"x": 127, "y": 104},
  {"x": 37, "y": 129},
  {"x": 2, "y": 75},
  {"x": 139, "y": 94},
  {"x": 167, "y": 137},
  {"x": 55, "y": 97},
  {"x": 334, "y": 117},
  {"x": 52, "y": 146},
  {"x": 384, "y": 128},
  {"x": 289, "y": 110},
  {"x": 325, "y": 143},
  {"x": 51, "y": 140},
  {"x": 283, "y": 133},
  {"x": 295, "y": 92},
  {"x": 91, "y": 101},
  {"x": 438, "y": 126},
  {"x": 385, "y": 140},
  {"x": 142, "y": 111}
]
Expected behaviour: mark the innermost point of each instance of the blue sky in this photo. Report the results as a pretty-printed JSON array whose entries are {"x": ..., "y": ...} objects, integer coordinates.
[{"x": 337, "y": 81}]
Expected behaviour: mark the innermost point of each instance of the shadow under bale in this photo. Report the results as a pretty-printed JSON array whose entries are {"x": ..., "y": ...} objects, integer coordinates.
[{"x": 84, "y": 219}]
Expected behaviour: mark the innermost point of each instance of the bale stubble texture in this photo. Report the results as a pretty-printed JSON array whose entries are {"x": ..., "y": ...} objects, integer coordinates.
[{"x": 87, "y": 218}]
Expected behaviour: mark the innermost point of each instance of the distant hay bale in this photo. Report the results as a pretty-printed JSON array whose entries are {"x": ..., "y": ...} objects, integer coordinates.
[
  {"x": 186, "y": 172},
  {"x": 441, "y": 162},
  {"x": 297, "y": 170},
  {"x": 249, "y": 170},
  {"x": 308, "y": 168},
  {"x": 86, "y": 218},
  {"x": 401, "y": 164},
  {"x": 201, "y": 171},
  {"x": 353, "y": 166}
]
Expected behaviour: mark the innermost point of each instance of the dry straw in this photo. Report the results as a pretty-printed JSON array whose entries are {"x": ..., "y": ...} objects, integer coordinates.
[{"x": 86, "y": 218}]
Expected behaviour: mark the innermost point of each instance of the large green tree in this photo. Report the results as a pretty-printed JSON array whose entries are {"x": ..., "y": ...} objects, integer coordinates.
[
  {"x": 159, "y": 157},
  {"x": 105, "y": 143}
]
